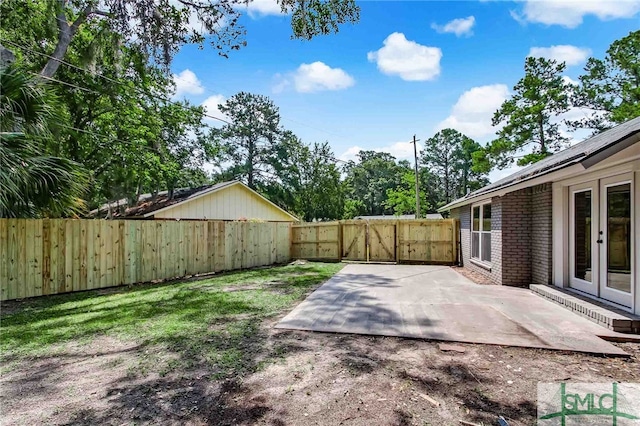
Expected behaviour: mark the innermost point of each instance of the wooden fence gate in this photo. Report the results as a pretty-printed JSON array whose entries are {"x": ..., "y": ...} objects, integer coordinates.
[
  {"x": 403, "y": 241},
  {"x": 381, "y": 242},
  {"x": 354, "y": 240}
]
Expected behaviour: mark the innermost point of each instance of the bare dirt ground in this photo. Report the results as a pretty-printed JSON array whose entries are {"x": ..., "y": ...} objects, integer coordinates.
[
  {"x": 296, "y": 378},
  {"x": 474, "y": 276},
  {"x": 302, "y": 378}
]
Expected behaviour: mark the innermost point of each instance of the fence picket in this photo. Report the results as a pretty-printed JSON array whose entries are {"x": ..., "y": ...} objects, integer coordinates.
[
  {"x": 420, "y": 241},
  {"x": 39, "y": 257}
]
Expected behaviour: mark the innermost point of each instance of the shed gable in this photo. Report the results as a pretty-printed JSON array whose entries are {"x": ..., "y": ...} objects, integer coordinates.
[{"x": 230, "y": 203}]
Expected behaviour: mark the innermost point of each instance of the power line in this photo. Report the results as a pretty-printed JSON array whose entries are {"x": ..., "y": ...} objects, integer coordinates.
[
  {"x": 110, "y": 138},
  {"x": 84, "y": 89},
  {"x": 148, "y": 94},
  {"x": 139, "y": 90},
  {"x": 333, "y": 158},
  {"x": 101, "y": 76},
  {"x": 100, "y": 94}
]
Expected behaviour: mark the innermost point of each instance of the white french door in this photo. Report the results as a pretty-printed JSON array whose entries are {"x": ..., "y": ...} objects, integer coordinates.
[
  {"x": 583, "y": 231},
  {"x": 616, "y": 239},
  {"x": 601, "y": 238}
]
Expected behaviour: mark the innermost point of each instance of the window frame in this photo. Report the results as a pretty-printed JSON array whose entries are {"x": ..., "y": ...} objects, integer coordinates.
[{"x": 480, "y": 232}]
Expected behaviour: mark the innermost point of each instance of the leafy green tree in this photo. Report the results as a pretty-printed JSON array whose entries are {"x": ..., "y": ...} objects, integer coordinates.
[
  {"x": 528, "y": 117},
  {"x": 286, "y": 159},
  {"x": 470, "y": 179},
  {"x": 306, "y": 179},
  {"x": 448, "y": 155},
  {"x": 122, "y": 126},
  {"x": 33, "y": 183},
  {"x": 321, "y": 196},
  {"x": 402, "y": 199},
  {"x": 249, "y": 139},
  {"x": 611, "y": 86},
  {"x": 352, "y": 208},
  {"x": 161, "y": 27},
  {"x": 368, "y": 180}
]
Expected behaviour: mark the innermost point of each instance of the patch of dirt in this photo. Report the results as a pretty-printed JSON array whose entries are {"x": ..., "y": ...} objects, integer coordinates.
[
  {"x": 303, "y": 378},
  {"x": 234, "y": 288},
  {"x": 472, "y": 275}
]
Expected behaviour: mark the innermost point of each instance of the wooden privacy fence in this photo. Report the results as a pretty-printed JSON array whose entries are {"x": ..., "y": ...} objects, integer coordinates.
[
  {"x": 49, "y": 256},
  {"x": 410, "y": 241}
]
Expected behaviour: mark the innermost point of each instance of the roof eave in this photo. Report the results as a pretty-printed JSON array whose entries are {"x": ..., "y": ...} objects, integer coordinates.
[
  {"x": 213, "y": 190},
  {"x": 586, "y": 161},
  {"x": 512, "y": 186}
]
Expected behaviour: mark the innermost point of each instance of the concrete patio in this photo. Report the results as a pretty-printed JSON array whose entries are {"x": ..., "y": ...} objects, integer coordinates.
[{"x": 435, "y": 302}]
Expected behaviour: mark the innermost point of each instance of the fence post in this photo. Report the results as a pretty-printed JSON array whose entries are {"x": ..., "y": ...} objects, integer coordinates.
[
  {"x": 367, "y": 240},
  {"x": 453, "y": 241},
  {"x": 398, "y": 225},
  {"x": 339, "y": 241}
]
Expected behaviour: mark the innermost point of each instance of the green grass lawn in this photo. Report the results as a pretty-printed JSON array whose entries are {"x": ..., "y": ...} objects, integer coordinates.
[{"x": 215, "y": 322}]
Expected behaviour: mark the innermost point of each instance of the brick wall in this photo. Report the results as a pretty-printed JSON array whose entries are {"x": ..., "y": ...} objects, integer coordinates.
[
  {"x": 464, "y": 215},
  {"x": 521, "y": 239},
  {"x": 496, "y": 240},
  {"x": 541, "y": 234},
  {"x": 516, "y": 238}
]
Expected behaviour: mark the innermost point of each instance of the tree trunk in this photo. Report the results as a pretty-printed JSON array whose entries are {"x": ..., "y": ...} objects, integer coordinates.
[
  {"x": 250, "y": 160},
  {"x": 543, "y": 145},
  {"x": 465, "y": 181},
  {"x": 446, "y": 180},
  {"x": 66, "y": 33}
]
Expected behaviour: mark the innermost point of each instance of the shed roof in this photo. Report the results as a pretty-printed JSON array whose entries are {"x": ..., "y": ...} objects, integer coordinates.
[
  {"x": 148, "y": 205},
  {"x": 578, "y": 153}
]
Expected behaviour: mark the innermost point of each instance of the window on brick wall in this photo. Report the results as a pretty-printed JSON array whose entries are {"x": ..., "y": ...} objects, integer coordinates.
[{"x": 481, "y": 232}]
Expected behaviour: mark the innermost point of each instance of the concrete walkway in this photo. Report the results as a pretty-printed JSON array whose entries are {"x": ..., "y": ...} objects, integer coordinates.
[{"x": 435, "y": 302}]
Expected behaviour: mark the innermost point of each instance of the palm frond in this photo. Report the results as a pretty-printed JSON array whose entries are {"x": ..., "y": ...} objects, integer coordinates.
[{"x": 32, "y": 183}]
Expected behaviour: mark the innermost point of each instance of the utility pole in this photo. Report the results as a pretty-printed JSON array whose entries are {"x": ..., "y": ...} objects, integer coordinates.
[{"x": 415, "y": 156}]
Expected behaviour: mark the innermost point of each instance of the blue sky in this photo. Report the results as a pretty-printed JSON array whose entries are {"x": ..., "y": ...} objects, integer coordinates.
[{"x": 406, "y": 68}]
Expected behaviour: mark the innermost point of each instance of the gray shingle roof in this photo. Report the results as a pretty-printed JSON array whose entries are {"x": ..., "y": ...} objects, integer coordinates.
[{"x": 565, "y": 158}]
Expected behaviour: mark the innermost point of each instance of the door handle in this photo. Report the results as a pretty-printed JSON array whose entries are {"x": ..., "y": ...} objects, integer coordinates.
[{"x": 599, "y": 241}]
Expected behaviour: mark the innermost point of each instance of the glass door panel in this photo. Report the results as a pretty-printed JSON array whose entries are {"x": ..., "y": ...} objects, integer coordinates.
[
  {"x": 583, "y": 221},
  {"x": 617, "y": 240}
]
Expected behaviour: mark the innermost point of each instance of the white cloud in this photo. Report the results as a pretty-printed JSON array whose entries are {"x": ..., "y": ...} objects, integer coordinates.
[
  {"x": 569, "y": 80},
  {"x": 350, "y": 154},
  {"x": 319, "y": 76},
  {"x": 211, "y": 108},
  {"x": 571, "y": 55},
  {"x": 459, "y": 27},
  {"x": 187, "y": 83},
  {"x": 407, "y": 59},
  {"x": 497, "y": 174},
  {"x": 570, "y": 13},
  {"x": 314, "y": 77},
  {"x": 575, "y": 114},
  {"x": 474, "y": 109},
  {"x": 400, "y": 150},
  {"x": 259, "y": 8},
  {"x": 282, "y": 81}
]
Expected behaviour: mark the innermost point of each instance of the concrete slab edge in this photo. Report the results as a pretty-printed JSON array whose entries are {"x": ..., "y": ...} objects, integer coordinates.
[{"x": 607, "y": 318}]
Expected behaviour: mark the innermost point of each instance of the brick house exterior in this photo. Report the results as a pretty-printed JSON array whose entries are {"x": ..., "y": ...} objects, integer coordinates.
[
  {"x": 571, "y": 220},
  {"x": 519, "y": 256}
]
